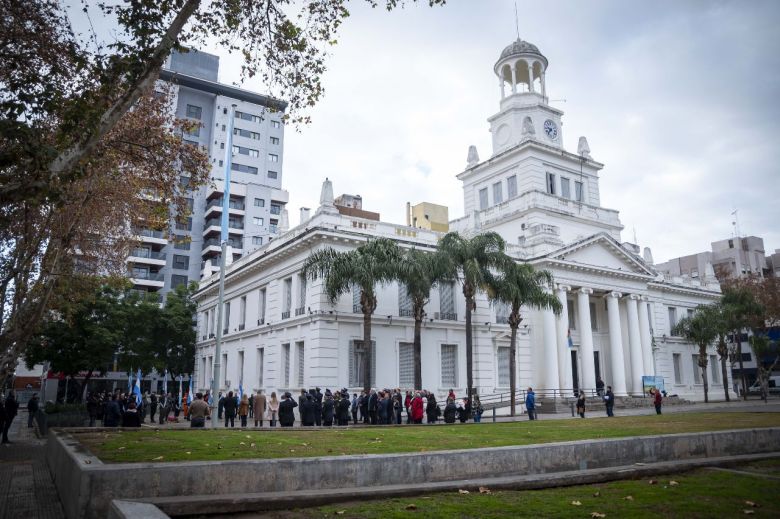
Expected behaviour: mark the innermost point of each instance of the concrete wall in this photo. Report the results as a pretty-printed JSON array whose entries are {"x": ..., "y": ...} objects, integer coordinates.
[{"x": 87, "y": 486}]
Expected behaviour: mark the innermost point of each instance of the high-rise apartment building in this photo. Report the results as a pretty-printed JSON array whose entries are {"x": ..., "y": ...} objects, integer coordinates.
[{"x": 257, "y": 201}]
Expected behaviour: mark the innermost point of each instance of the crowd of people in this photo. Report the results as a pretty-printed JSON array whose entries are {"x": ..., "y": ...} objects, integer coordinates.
[{"x": 115, "y": 409}]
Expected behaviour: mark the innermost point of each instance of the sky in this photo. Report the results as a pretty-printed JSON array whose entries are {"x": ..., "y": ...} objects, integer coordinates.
[{"x": 677, "y": 98}]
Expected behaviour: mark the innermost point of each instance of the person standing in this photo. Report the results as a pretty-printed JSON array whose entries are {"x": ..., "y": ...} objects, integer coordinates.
[
  {"x": 397, "y": 415},
  {"x": 258, "y": 407},
  {"x": 657, "y": 399},
  {"x": 32, "y": 408},
  {"x": 273, "y": 409},
  {"x": 306, "y": 410},
  {"x": 416, "y": 406},
  {"x": 11, "y": 408},
  {"x": 581, "y": 403},
  {"x": 343, "y": 408},
  {"x": 373, "y": 402},
  {"x": 363, "y": 405},
  {"x": 609, "y": 401},
  {"x": 432, "y": 408},
  {"x": 251, "y": 405},
  {"x": 599, "y": 387},
  {"x": 112, "y": 413},
  {"x": 152, "y": 406},
  {"x": 131, "y": 417},
  {"x": 530, "y": 403},
  {"x": 229, "y": 408},
  {"x": 450, "y": 411},
  {"x": 199, "y": 411},
  {"x": 92, "y": 409},
  {"x": 243, "y": 409},
  {"x": 317, "y": 394},
  {"x": 328, "y": 409},
  {"x": 286, "y": 411},
  {"x": 354, "y": 408},
  {"x": 220, "y": 406},
  {"x": 478, "y": 410}
]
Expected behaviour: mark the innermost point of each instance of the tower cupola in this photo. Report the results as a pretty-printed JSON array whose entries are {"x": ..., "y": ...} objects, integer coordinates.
[{"x": 521, "y": 68}]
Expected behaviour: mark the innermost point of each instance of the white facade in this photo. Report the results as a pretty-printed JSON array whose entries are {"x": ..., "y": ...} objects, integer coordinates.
[{"x": 283, "y": 334}]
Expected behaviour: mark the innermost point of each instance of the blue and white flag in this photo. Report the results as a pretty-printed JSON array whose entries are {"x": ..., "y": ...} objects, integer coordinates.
[
  {"x": 180, "y": 388},
  {"x": 240, "y": 391},
  {"x": 190, "y": 395},
  {"x": 137, "y": 388},
  {"x": 165, "y": 382},
  {"x": 211, "y": 395},
  {"x": 130, "y": 381}
]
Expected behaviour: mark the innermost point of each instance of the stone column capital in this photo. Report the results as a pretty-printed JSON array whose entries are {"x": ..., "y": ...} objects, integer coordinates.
[
  {"x": 614, "y": 295},
  {"x": 634, "y": 297},
  {"x": 586, "y": 291},
  {"x": 563, "y": 288}
]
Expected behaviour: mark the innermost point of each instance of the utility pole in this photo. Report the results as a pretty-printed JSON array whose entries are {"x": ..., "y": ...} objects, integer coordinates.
[{"x": 224, "y": 239}]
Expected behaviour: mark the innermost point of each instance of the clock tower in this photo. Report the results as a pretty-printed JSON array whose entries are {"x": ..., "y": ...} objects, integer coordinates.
[{"x": 524, "y": 112}]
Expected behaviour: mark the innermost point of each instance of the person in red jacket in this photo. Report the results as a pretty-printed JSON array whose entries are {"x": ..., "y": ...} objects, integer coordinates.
[
  {"x": 657, "y": 399},
  {"x": 417, "y": 407}
]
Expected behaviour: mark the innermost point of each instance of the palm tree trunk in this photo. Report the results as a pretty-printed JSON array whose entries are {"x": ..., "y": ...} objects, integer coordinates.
[
  {"x": 369, "y": 349},
  {"x": 741, "y": 366},
  {"x": 724, "y": 376},
  {"x": 512, "y": 370},
  {"x": 418, "y": 317},
  {"x": 469, "y": 350},
  {"x": 703, "y": 366}
]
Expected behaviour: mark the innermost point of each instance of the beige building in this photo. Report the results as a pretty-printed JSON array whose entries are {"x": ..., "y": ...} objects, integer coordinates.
[{"x": 426, "y": 215}]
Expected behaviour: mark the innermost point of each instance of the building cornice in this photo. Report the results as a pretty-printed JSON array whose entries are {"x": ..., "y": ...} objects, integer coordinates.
[{"x": 221, "y": 89}]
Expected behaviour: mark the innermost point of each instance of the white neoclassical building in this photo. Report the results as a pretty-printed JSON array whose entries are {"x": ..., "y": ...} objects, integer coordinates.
[{"x": 281, "y": 333}]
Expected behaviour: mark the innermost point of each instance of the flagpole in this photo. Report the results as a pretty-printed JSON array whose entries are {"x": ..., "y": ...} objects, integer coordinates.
[{"x": 224, "y": 240}]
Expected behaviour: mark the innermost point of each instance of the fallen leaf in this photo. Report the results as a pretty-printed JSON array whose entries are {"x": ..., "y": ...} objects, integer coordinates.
[
  {"x": 748, "y": 512},
  {"x": 158, "y": 458},
  {"x": 305, "y": 444},
  {"x": 596, "y": 494},
  {"x": 252, "y": 445},
  {"x": 292, "y": 450},
  {"x": 751, "y": 503},
  {"x": 576, "y": 503},
  {"x": 121, "y": 449},
  {"x": 248, "y": 437},
  {"x": 88, "y": 462},
  {"x": 673, "y": 483},
  {"x": 411, "y": 507},
  {"x": 484, "y": 490},
  {"x": 597, "y": 515},
  {"x": 653, "y": 482},
  {"x": 241, "y": 443},
  {"x": 461, "y": 491},
  {"x": 340, "y": 512}
]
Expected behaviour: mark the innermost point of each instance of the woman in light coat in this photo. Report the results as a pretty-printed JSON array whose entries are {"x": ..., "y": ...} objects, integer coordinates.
[{"x": 273, "y": 409}]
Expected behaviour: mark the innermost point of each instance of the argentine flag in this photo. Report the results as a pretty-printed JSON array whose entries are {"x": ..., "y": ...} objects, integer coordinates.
[
  {"x": 240, "y": 391},
  {"x": 130, "y": 381},
  {"x": 165, "y": 383},
  {"x": 137, "y": 388},
  {"x": 192, "y": 388},
  {"x": 181, "y": 378}
]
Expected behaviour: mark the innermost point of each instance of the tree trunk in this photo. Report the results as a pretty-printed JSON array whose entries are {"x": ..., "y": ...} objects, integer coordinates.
[
  {"x": 418, "y": 318},
  {"x": 724, "y": 376},
  {"x": 84, "y": 386},
  {"x": 469, "y": 350},
  {"x": 512, "y": 370},
  {"x": 741, "y": 366},
  {"x": 369, "y": 352},
  {"x": 703, "y": 366}
]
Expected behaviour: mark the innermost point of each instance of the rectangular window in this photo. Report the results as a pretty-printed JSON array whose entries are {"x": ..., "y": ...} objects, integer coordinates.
[
  {"x": 551, "y": 183},
  {"x": 503, "y": 366},
  {"x": 572, "y": 314},
  {"x": 502, "y": 312},
  {"x": 195, "y": 112},
  {"x": 594, "y": 322},
  {"x": 224, "y": 367},
  {"x": 286, "y": 364},
  {"x": 181, "y": 262},
  {"x": 276, "y": 208},
  {"x": 184, "y": 225},
  {"x": 672, "y": 320},
  {"x": 287, "y": 294},
  {"x": 405, "y": 306},
  {"x": 272, "y": 157},
  {"x": 181, "y": 243},
  {"x": 498, "y": 195},
  {"x": 241, "y": 368},
  {"x": 242, "y": 313},
  {"x": 246, "y": 133},
  {"x": 257, "y": 220},
  {"x": 301, "y": 294},
  {"x": 260, "y": 366},
  {"x": 243, "y": 168},
  {"x": 696, "y": 369},
  {"x": 276, "y": 124},
  {"x": 184, "y": 180},
  {"x": 579, "y": 193},
  {"x": 565, "y": 188},
  {"x": 226, "y": 321},
  {"x": 406, "y": 364},
  {"x": 273, "y": 174},
  {"x": 177, "y": 280},
  {"x": 483, "y": 198},
  {"x": 261, "y": 307},
  {"x": 714, "y": 371},
  {"x": 241, "y": 150},
  {"x": 449, "y": 365},
  {"x": 259, "y": 202},
  {"x": 447, "y": 302},
  {"x": 301, "y": 359},
  {"x": 274, "y": 140},
  {"x": 194, "y": 132},
  {"x": 257, "y": 240},
  {"x": 511, "y": 187},
  {"x": 356, "y": 371},
  {"x": 746, "y": 357},
  {"x": 677, "y": 361},
  {"x": 689, "y": 312},
  {"x": 272, "y": 226},
  {"x": 356, "y": 299},
  {"x": 248, "y": 117}
]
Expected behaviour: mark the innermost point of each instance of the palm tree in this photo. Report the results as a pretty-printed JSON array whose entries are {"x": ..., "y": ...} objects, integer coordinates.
[
  {"x": 471, "y": 261},
  {"x": 366, "y": 267},
  {"x": 721, "y": 320},
  {"x": 762, "y": 349},
  {"x": 418, "y": 272},
  {"x": 520, "y": 285},
  {"x": 742, "y": 309},
  {"x": 700, "y": 330}
]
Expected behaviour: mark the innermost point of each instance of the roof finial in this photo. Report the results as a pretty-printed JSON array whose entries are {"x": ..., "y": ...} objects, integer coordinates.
[{"x": 517, "y": 23}]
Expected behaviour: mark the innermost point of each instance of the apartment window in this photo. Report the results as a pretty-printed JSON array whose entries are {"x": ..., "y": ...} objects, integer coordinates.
[
  {"x": 551, "y": 183},
  {"x": 276, "y": 208},
  {"x": 406, "y": 364},
  {"x": 301, "y": 360},
  {"x": 226, "y": 321},
  {"x": 246, "y": 133},
  {"x": 257, "y": 220},
  {"x": 498, "y": 195},
  {"x": 672, "y": 320},
  {"x": 243, "y": 168},
  {"x": 260, "y": 366},
  {"x": 689, "y": 312},
  {"x": 502, "y": 312},
  {"x": 259, "y": 202},
  {"x": 273, "y": 174},
  {"x": 287, "y": 294},
  {"x": 272, "y": 157},
  {"x": 714, "y": 371},
  {"x": 511, "y": 187},
  {"x": 241, "y": 150},
  {"x": 565, "y": 188},
  {"x": 677, "y": 361},
  {"x": 286, "y": 364},
  {"x": 212, "y": 319},
  {"x": 194, "y": 132},
  {"x": 184, "y": 225},
  {"x": 257, "y": 240},
  {"x": 696, "y": 369},
  {"x": 405, "y": 306},
  {"x": 224, "y": 367},
  {"x": 242, "y": 313},
  {"x": 276, "y": 124},
  {"x": 184, "y": 180},
  {"x": 261, "y": 307},
  {"x": 483, "y": 198},
  {"x": 357, "y": 353},
  {"x": 195, "y": 112},
  {"x": 142, "y": 252},
  {"x": 241, "y": 368},
  {"x": 181, "y": 243},
  {"x": 594, "y": 322},
  {"x": 248, "y": 117},
  {"x": 447, "y": 302},
  {"x": 177, "y": 280},
  {"x": 301, "y": 293},
  {"x": 272, "y": 226},
  {"x": 181, "y": 262},
  {"x": 356, "y": 299},
  {"x": 274, "y": 140},
  {"x": 502, "y": 359},
  {"x": 449, "y": 365},
  {"x": 579, "y": 193},
  {"x": 746, "y": 357},
  {"x": 572, "y": 314}
]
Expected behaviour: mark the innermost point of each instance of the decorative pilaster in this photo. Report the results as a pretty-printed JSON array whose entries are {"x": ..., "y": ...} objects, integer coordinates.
[
  {"x": 550, "y": 354},
  {"x": 635, "y": 344},
  {"x": 586, "y": 339},
  {"x": 617, "y": 361},
  {"x": 565, "y": 376},
  {"x": 646, "y": 336}
]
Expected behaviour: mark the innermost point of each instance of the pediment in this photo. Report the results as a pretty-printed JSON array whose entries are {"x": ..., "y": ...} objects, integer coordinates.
[{"x": 604, "y": 252}]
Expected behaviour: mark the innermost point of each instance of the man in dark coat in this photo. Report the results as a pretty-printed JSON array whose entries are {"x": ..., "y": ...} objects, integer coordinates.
[
  {"x": 11, "y": 408},
  {"x": 354, "y": 408},
  {"x": 152, "y": 406},
  {"x": 112, "y": 413},
  {"x": 343, "y": 412},
  {"x": 131, "y": 417},
  {"x": 229, "y": 408},
  {"x": 373, "y": 400},
  {"x": 92, "y": 408},
  {"x": 220, "y": 405},
  {"x": 450, "y": 411},
  {"x": 609, "y": 401},
  {"x": 286, "y": 413},
  {"x": 307, "y": 411},
  {"x": 317, "y": 407},
  {"x": 363, "y": 405},
  {"x": 32, "y": 408},
  {"x": 328, "y": 409}
]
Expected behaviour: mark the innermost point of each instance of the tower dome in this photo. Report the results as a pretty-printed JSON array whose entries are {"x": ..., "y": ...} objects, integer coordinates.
[{"x": 522, "y": 66}]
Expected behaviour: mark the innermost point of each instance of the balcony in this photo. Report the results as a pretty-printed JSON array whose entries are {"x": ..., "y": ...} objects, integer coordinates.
[
  {"x": 445, "y": 316},
  {"x": 151, "y": 236},
  {"x": 403, "y": 312},
  {"x": 214, "y": 206},
  {"x": 213, "y": 246},
  {"x": 286, "y": 314},
  {"x": 147, "y": 256},
  {"x": 214, "y": 225},
  {"x": 147, "y": 279},
  {"x": 300, "y": 311}
]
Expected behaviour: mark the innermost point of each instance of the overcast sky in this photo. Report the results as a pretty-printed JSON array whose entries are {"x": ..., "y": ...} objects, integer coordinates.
[{"x": 678, "y": 100}]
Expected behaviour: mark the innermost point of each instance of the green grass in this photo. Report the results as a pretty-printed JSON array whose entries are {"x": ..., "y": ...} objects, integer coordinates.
[
  {"x": 188, "y": 445},
  {"x": 700, "y": 494}
]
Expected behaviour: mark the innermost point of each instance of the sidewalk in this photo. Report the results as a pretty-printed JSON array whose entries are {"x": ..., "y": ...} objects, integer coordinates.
[{"x": 26, "y": 488}]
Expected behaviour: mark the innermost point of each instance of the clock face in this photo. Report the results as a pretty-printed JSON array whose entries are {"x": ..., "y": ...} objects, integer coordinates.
[{"x": 551, "y": 129}]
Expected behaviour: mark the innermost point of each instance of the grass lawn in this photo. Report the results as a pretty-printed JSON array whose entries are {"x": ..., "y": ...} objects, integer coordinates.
[
  {"x": 188, "y": 445},
  {"x": 699, "y": 494}
]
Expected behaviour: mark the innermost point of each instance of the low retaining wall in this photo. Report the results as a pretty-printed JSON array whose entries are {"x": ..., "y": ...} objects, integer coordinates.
[{"x": 87, "y": 486}]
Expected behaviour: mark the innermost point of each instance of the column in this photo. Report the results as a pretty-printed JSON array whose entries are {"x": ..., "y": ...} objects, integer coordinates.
[
  {"x": 646, "y": 336},
  {"x": 550, "y": 368},
  {"x": 501, "y": 86},
  {"x": 635, "y": 344},
  {"x": 586, "y": 339},
  {"x": 564, "y": 357},
  {"x": 514, "y": 79},
  {"x": 617, "y": 363},
  {"x": 530, "y": 77},
  {"x": 544, "y": 88}
]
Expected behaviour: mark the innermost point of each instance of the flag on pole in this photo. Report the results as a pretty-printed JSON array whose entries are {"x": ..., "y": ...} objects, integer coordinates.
[
  {"x": 180, "y": 388},
  {"x": 211, "y": 395},
  {"x": 137, "y": 388},
  {"x": 568, "y": 338},
  {"x": 165, "y": 382},
  {"x": 192, "y": 388},
  {"x": 130, "y": 381},
  {"x": 240, "y": 391}
]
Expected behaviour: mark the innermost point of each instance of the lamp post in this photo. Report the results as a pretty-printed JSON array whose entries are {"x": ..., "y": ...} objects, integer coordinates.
[{"x": 224, "y": 240}]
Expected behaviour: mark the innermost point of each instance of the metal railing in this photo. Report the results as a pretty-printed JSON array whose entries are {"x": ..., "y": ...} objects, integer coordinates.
[
  {"x": 217, "y": 222},
  {"x": 149, "y": 276},
  {"x": 151, "y": 234},
  {"x": 236, "y": 244},
  {"x": 286, "y": 315},
  {"x": 148, "y": 254},
  {"x": 405, "y": 313},
  {"x": 300, "y": 310},
  {"x": 446, "y": 316},
  {"x": 234, "y": 204}
]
